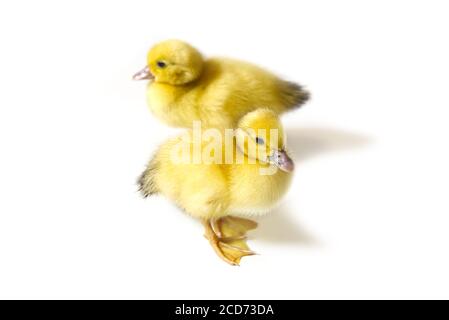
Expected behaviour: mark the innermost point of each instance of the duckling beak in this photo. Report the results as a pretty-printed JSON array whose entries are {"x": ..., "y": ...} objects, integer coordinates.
[
  {"x": 281, "y": 159},
  {"x": 144, "y": 74}
]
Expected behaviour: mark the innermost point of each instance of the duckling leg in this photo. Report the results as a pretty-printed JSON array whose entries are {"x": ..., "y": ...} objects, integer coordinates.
[
  {"x": 216, "y": 227},
  {"x": 229, "y": 248},
  {"x": 214, "y": 242}
]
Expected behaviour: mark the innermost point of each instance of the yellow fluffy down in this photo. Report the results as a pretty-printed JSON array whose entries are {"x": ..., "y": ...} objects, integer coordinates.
[
  {"x": 217, "y": 91},
  {"x": 209, "y": 190}
]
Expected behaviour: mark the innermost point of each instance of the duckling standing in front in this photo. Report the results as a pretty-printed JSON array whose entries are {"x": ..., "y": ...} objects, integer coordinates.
[
  {"x": 184, "y": 87},
  {"x": 224, "y": 194}
]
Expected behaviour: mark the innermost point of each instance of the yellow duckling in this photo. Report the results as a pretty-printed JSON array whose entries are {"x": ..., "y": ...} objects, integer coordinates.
[
  {"x": 240, "y": 180},
  {"x": 185, "y": 87}
]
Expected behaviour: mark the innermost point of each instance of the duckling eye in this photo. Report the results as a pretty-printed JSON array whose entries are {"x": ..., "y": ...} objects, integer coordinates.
[
  {"x": 161, "y": 64},
  {"x": 259, "y": 140}
]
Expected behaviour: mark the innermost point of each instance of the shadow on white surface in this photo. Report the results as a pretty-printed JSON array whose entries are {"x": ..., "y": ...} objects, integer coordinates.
[
  {"x": 307, "y": 143},
  {"x": 279, "y": 226}
]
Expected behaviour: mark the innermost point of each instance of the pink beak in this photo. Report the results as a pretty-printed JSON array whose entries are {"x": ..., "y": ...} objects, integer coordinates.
[
  {"x": 144, "y": 74},
  {"x": 281, "y": 159}
]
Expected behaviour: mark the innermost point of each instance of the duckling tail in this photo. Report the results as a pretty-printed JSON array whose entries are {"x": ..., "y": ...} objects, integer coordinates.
[
  {"x": 293, "y": 95},
  {"x": 146, "y": 183}
]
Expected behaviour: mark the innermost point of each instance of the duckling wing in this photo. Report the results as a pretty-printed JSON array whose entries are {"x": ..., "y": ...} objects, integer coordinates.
[{"x": 292, "y": 95}]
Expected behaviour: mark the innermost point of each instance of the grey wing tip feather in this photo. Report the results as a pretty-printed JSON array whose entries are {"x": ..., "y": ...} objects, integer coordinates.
[
  {"x": 146, "y": 184},
  {"x": 295, "y": 95}
]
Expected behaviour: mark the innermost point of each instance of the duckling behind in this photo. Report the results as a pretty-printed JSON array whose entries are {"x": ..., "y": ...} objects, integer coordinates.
[
  {"x": 216, "y": 191},
  {"x": 184, "y": 87}
]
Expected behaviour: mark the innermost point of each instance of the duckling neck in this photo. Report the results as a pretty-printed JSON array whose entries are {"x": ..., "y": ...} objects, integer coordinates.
[{"x": 171, "y": 103}]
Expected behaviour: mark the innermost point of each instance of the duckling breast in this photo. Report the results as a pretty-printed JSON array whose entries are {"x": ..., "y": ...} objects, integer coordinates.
[{"x": 253, "y": 194}]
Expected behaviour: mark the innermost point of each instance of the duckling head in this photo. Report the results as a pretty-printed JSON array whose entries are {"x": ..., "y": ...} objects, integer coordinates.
[
  {"x": 173, "y": 62},
  {"x": 260, "y": 136}
]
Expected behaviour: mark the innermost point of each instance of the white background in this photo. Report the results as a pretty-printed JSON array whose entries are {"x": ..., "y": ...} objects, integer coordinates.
[{"x": 367, "y": 214}]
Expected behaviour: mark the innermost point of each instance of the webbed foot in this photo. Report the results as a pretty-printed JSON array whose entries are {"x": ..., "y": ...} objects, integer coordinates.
[{"x": 227, "y": 237}]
